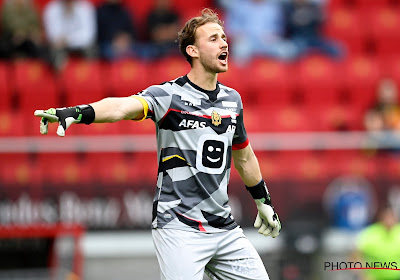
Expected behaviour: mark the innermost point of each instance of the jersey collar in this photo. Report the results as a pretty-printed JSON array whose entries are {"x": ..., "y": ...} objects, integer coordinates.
[{"x": 212, "y": 94}]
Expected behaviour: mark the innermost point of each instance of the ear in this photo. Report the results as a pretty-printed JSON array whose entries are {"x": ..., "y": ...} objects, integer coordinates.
[{"x": 192, "y": 50}]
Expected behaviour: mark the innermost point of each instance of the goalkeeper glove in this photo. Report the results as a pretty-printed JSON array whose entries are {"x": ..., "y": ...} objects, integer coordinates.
[
  {"x": 267, "y": 220},
  {"x": 65, "y": 117}
]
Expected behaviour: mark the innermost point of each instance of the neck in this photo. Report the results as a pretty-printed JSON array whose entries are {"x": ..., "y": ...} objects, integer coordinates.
[{"x": 205, "y": 80}]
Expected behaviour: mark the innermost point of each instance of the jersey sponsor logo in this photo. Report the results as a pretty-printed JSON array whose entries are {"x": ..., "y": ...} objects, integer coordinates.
[
  {"x": 216, "y": 118},
  {"x": 231, "y": 128},
  {"x": 229, "y": 104},
  {"x": 211, "y": 153},
  {"x": 193, "y": 124}
]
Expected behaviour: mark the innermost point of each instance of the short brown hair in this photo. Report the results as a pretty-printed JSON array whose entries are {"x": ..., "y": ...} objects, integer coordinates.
[{"x": 187, "y": 34}]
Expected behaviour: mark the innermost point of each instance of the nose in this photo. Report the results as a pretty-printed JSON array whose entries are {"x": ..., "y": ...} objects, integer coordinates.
[{"x": 224, "y": 44}]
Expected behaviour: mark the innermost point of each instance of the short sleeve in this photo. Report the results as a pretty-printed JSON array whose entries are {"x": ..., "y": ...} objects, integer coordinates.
[
  {"x": 158, "y": 99},
  {"x": 240, "y": 139}
]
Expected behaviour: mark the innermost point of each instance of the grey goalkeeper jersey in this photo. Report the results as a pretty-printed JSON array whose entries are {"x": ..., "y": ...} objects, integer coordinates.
[{"x": 196, "y": 132}]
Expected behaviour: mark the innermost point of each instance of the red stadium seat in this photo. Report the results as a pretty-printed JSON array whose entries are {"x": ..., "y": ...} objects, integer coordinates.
[
  {"x": 384, "y": 24},
  {"x": 62, "y": 168},
  {"x": 392, "y": 164},
  {"x": 390, "y": 67},
  {"x": 278, "y": 119},
  {"x": 188, "y": 9},
  {"x": 338, "y": 118},
  {"x": 41, "y": 4},
  {"x": 234, "y": 78},
  {"x": 12, "y": 123},
  {"x": 5, "y": 87},
  {"x": 337, "y": 4},
  {"x": 317, "y": 79},
  {"x": 35, "y": 85},
  {"x": 19, "y": 169},
  {"x": 94, "y": 129},
  {"x": 372, "y": 5},
  {"x": 83, "y": 81},
  {"x": 114, "y": 168},
  {"x": 134, "y": 127},
  {"x": 361, "y": 74},
  {"x": 139, "y": 9},
  {"x": 271, "y": 83},
  {"x": 347, "y": 26},
  {"x": 167, "y": 69},
  {"x": 128, "y": 77}
]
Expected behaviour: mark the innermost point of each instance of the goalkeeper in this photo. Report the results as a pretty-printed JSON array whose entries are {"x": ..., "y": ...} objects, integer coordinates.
[{"x": 199, "y": 129}]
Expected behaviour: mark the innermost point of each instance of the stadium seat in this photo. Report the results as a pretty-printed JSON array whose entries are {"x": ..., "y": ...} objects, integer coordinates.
[
  {"x": 346, "y": 26},
  {"x": 114, "y": 168},
  {"x": 234, "y": 78},
  {"x": 35, "y": 85},
  {"x": 94, "y": 129},
  {"x": 390, "y": 67},
  {"x": 41, "y": 4},
  {"x": 128, "y": 77},
  {"x": 316, "y": 77},
  {"x": 188, "y": 9},
  {"x": 19, "y": 170},
  {"x": 372, "y": 5},
  {"x": 5, "y": 87},
  {"x": 61, "y": 168},
  {"x": 134, "y": 127},
  {"x": 384, "y": 23},
  {"x": 335, "y": 4},
  {"x": 298, "y": 165},
  {"x": 167, "y": 69},
  {"x": 271, "y": 82},
  {"x": 140, "y": 9},
  {"x": 339, "y": 118},
  {"x": 392, "y": 164},
  {"x": 83, "y": 81},
  {"x": 281, "y": 119},
  {"x": 12, "y": 123},
  {"x": 360, "y": 75}
]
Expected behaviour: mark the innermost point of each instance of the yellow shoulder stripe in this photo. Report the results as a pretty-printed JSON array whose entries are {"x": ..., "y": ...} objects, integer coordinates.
[{"x": 145, "y": 107}]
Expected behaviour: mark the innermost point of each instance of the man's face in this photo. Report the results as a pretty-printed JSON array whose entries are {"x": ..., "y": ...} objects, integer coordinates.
[{"x": 212, "y": 44}]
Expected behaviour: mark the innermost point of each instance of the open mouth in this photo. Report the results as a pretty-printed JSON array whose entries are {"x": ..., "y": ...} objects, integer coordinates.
[{"x": 223, "y": 57}]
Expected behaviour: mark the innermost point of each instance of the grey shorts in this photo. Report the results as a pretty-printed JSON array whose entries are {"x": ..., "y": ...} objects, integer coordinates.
[{"x": 186, "y": 255}]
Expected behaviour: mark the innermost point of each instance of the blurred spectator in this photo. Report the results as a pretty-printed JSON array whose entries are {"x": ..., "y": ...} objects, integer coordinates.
[
  {"x": 384, "y": 116},
  {"x": 163, "y": 26},
  {"x": 21, "y": 30},
  {"x": 70, "y": 27},
  {"x": 350, "y": 202},
  {"x": 380, "y": 242},
  {"x": 387, "y": 104},
  {"x": 115, "y": 30},
  {"x": 304, "y": 20},
  {"x": 257, "y": 28}
]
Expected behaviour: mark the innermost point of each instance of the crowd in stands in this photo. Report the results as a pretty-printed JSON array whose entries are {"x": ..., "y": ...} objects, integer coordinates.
[
  {"x": 81, "y": 28},
  {"x": 281, "y": 29}
]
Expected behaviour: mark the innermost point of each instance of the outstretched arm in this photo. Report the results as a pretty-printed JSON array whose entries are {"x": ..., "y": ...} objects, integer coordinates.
[
  {"x": 113, "y": 109},
  {"x": 246, "y": 163},
  {"x": 110, "y": 109}
]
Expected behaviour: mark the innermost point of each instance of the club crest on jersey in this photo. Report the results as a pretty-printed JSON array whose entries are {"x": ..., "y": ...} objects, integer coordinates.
[{"x": 215, "y": 118}]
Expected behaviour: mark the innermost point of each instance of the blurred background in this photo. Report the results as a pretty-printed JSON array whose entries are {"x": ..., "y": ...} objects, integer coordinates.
[{"x": 319, "y": 82}]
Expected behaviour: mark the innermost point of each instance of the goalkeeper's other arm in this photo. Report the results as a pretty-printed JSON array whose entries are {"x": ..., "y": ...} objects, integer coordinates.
[
  {"x": 110, "y": 109},
  {"x": 246, "y": 163}
]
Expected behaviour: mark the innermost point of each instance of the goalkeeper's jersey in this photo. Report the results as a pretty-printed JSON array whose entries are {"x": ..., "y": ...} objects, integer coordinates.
[{"x": 196, "y": 132}]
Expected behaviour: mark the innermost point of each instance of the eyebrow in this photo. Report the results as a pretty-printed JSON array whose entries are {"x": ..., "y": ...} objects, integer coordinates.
[{"x": 216, "y": 35}]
